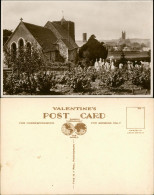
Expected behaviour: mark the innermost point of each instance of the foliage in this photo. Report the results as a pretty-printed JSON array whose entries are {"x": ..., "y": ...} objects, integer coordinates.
[
  {"x": 16, "y": 84},
  {"x": 45, "y": 82},
  {"x": 28, "y": 61},
  {"x": 8, "y": 59},
  {"x": 78, "y": 79},
  {"x": 93, "y": 49},
  {"x": 35, "y": 76},
  {"x": 149, "y": 54},
  {"x": 141, "y": 77},
  {"x": 113, "y": 79},
  {"x": 6, "y": 34},
  {"x": 122, "y": 58},
  {"x": 136, "y": 45},
  {"x": 40, "y": 82}
]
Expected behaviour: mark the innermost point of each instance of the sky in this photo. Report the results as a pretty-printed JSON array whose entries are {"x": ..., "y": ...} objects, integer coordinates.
[{"x": 104, "y": 19}]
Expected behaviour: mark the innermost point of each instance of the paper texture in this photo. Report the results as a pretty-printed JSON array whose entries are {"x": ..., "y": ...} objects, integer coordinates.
[{"x": 106, "y": 147}]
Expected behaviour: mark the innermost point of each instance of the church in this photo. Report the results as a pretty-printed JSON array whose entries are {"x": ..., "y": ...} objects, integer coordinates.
[{"x": 55, "y": 39}]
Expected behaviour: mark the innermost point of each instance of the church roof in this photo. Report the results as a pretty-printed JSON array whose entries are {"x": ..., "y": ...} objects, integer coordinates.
[
  {"x": 68, "y": 44},
  {"x": 67, "y": 39},
  {"x": 44, "y": 36},
  {"x": 47, "y": 36}
]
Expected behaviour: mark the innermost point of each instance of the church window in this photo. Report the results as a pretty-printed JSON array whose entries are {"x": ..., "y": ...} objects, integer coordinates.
[
  {"x": 28, "y": 48},
  {"x": 21, "y": 48},
  {"x": 21, "y": 43},
  {"x": 13, "y": 51}
]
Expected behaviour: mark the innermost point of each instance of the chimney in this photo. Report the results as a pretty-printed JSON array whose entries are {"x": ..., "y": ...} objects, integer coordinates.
[{"x": 84, "y": 37}]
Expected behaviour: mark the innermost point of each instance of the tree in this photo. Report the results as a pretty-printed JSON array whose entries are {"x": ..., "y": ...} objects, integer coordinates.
[
  {"x": 122, "y": 60},
  {"x": 141, "y": 77},
  {"x": 136, "y": 45},
  {"x": 28, "y": 59},
  {"x": 6, "y": 35},
  {"x": 149, "y": 55},
  {"x": 29, "y": 71},
  {"x": 143, "y": 45},
  {"x": 93, "y": 49}
]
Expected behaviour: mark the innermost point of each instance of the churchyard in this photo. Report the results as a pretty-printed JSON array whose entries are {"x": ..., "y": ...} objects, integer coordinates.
[{"x": 70, "y": 79}]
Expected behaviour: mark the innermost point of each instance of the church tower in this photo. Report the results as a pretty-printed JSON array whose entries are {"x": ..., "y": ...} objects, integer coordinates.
[
  {"x": 69, "y": 27},
  {"x": 123, "y": 35}
]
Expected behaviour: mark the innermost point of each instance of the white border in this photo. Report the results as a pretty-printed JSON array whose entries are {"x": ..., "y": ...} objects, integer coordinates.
[{"x": 78, "y": 96}]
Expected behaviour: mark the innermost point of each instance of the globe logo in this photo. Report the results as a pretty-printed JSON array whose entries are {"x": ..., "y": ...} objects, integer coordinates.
[
  {"x": 69, "y": 129},
  {"x": 80, "y": 128}
]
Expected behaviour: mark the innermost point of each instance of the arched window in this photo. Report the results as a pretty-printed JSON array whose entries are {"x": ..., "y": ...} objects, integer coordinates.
[
  {"x": 20, "y": 45},
  {"x": 13, "y": 51},
  {"x": 21, "y": 49},
  {"x": 28, "y": 47}
]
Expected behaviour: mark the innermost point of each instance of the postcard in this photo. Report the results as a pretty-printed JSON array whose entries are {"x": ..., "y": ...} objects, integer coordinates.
[
  {"x": 76, "y": 146},
  {"x": 77, "y": 48}
]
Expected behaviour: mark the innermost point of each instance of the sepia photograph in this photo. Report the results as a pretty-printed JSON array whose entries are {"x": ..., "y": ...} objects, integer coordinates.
[{"x": 77, "y": 48}]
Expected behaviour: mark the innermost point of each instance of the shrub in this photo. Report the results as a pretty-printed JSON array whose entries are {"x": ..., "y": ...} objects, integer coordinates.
[
  {"x": 93, "y": 49},
  {"x": 80, "y": 84},
  {"x": 113, "y": 79},
  {"x": 41, "y": 81},
  {"x": 141, "y": 77},
  {"x": 45, "y": 82},
  {"x": 78, "y": 79},
  {"x": 15, "y": 84},
  {"x": 26, "y": 61}
]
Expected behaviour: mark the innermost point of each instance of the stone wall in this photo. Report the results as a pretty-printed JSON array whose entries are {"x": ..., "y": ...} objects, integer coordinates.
[
  {"x": 63, "y": 50},
  {"x": 72, "y": 55},
  {"x": 50, "y": 56}
]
